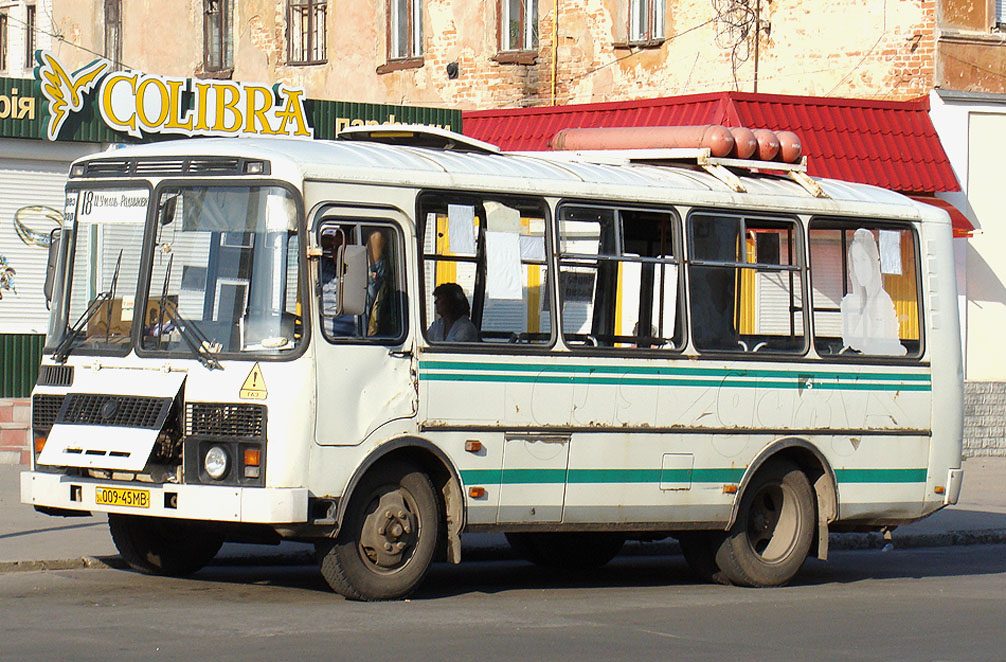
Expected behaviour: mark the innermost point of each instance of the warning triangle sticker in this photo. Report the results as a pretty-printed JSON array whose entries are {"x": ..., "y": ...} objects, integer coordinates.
[{"x": 254, "y": 386}]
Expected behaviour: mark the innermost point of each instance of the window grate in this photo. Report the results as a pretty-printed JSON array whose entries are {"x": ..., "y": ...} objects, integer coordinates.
[
  {"x": 115, "y": 410},
  {"x": 43, "y": 411},
  {"x": 221, "y": 419}
]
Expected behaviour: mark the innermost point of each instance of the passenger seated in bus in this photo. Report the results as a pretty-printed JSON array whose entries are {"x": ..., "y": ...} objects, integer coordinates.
[
  {"x": 869, "y": 321},
  {"x": 452, "y": 323},
  {"x": 379, "y": 295},
  {"x": 378, "y": 318}
]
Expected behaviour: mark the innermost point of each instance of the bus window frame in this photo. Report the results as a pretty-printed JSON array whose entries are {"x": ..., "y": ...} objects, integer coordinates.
[
  {"x": 677, "y": 248},
  {"x": 303, "y": 281},
  {"x": 852, "y": 223},
  {"x": 800, "y": 242},
  {"x": 339, "y": 215},
  {"x": 477, "y": 198}
]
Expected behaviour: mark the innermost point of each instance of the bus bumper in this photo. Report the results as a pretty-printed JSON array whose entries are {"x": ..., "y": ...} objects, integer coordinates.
[
  {"x": 955, "y": 477},
  {"x": 218, "y": 503}
]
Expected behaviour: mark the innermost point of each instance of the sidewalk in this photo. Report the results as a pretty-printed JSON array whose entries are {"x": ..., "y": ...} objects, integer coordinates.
[{"x": 29, "y": 540}]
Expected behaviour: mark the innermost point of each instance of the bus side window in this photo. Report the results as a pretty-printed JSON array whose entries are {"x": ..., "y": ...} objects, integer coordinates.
[
  {"x": 745, "y": 284},
  {"x": 384, "y": 317},
  {"x": 618, "y": 278},
  {"x": 866, "y": 291},
  {"x": 494, "y": 249}
]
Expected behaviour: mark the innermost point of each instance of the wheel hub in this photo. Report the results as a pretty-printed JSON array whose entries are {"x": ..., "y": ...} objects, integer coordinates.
[{"x": 389, "y": 532}]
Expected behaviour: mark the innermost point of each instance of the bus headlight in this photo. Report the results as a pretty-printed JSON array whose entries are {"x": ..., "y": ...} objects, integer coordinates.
[{"x": 215, "y": 463}]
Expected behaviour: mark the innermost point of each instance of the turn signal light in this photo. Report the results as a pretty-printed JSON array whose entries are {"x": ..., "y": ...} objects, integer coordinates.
[
  {"x": 253, "y": 457},
  {"x": 473, "y": 446},
  {"x": 729, "y": 489},
  {"x": 939, "y": 489},
  {"x": 476, "y": 492},
  {"x": 39, "y": 444}
]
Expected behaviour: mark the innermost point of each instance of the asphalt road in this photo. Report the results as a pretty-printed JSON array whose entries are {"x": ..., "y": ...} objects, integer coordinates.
[{"x": 923, "y": 604}]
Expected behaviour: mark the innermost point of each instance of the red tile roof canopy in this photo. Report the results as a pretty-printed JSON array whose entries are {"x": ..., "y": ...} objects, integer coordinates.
[{"x": 891, "y": 144}]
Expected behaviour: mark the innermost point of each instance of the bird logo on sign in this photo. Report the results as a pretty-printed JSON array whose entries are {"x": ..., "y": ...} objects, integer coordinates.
[{"x": 65, "y": 92}]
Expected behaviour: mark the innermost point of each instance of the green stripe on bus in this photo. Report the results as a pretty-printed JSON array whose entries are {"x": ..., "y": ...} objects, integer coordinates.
[
  {"x": 664, "y": 370},
  {"x": 881, "y": 475},
  {"x": 637, "y": 476},
  {"x": 642, "y": 381}
]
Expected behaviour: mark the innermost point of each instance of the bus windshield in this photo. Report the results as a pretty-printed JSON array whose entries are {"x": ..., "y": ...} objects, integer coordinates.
[
  {"x": 224, "y": 272},
  {"x": 93, "y": 309}
]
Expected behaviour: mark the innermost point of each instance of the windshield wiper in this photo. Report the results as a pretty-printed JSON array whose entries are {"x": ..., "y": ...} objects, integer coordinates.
[
  {"x": 111, "y": 295},
  {"x": 65, "y": 346},
  {"x": 194, "y": 338}
]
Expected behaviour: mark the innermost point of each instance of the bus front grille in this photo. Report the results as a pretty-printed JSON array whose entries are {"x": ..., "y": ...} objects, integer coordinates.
[
  {"x": 43, "y": 411},
  {"x": 125, "y": 411},
  {"x": 222, "y": 419}
]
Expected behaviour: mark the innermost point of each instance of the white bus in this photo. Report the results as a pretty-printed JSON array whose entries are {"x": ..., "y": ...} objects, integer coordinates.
[{"x": 245, "y": 346}]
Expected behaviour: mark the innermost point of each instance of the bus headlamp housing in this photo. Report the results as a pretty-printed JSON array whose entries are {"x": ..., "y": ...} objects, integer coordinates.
[{"x": 216, "y": 463}]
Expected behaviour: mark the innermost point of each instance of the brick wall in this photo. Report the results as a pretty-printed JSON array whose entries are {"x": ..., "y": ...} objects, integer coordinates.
[
  {"x": 15, "y": 422},
  {"x": 984, "y": 419}
]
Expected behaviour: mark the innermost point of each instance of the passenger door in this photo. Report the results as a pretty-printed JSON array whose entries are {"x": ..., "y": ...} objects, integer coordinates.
[{"x": 365, "y": 376}]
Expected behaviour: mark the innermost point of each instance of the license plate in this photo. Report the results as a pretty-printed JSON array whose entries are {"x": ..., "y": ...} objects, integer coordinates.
[{"x": 119, "y": 496}]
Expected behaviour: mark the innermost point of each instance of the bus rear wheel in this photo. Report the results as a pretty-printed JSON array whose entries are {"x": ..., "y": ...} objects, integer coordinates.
[
  {"x": 774, "y": 529},
  {"x": 388, "y": 536},
  {"x": 162, "y": 546},
  {"x": 575, "y": 551}
]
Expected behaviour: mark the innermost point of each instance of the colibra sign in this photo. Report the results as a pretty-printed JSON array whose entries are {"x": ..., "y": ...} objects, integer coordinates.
[{"x": 139, "y": 104}]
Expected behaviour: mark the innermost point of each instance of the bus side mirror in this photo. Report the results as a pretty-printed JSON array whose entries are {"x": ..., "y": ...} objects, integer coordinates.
[
  {"x": 166, "y": 213},
  {"x": 352, "y": 266},
  {"x": 55, "y": 238}
]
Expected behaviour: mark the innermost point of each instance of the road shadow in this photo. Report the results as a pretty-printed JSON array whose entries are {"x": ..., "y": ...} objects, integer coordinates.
[{"x": 639, "y": 571}]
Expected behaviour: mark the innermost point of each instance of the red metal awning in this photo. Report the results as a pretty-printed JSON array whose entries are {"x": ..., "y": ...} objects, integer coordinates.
[
  {"x": 892, "y": 144},
  {"x": 962, "y": 226}
]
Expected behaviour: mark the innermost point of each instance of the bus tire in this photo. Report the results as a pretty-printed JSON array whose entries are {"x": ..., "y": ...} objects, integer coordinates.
[
  {"x": 699, "y": 549},
  {"x": 162, "y": 546},
  {"x": 574, "y": 551},
  {"x": 388, "y": 536},
  {"x": 774, "y": 529}
]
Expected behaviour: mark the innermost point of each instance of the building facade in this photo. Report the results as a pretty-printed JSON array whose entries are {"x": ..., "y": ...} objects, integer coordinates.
[{"x": 513, "y": 53}]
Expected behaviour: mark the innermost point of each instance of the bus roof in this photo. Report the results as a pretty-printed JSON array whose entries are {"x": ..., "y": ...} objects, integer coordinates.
[{"x": 359, "y": 161}]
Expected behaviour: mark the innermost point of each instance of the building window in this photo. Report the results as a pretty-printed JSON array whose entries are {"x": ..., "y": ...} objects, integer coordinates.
[
  {"x": 218, "y": 37},
  {"x": 1000, "y": 19},
  {"x": 3, "y": 41},
  {"x": 518, "y": 25},
  {"x": 405, "y": 29},
  {"x": 306, "y": 31},
  {"x": 646, "y": 20},
  {"x": 29, "y": 37},
  {"x": 113, "y": 31}
]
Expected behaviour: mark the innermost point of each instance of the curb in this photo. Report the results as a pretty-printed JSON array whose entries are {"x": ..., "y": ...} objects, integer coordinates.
[{"x": 836, "y": 542}]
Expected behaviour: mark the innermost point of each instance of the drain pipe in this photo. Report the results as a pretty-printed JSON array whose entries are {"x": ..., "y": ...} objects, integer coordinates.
[{"x": 555, "y": 44}]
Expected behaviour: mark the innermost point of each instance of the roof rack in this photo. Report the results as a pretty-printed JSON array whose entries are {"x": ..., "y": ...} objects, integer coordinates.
[
  {"x": 718, "y": 167},
  {"x": 417, "y": 135}
]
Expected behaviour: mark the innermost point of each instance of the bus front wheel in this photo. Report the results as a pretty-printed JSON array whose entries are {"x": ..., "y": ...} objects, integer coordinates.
[
  {"x": 161, "y": 546},
  {"x": 774, "y": 529},
  {"x": 388, "y": 536}
]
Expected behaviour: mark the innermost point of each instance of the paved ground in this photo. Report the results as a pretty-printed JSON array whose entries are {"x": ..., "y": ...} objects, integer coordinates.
[
  {"x": 938, "y": 603},
  {"x": 30, "y": 540}
]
